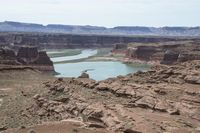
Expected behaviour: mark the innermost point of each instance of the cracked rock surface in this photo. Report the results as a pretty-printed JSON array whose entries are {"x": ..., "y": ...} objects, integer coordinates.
[{"x": 164, "y": 99}]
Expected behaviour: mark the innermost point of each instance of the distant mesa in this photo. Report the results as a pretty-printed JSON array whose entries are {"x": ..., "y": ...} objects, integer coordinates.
[
  {"x": 133, "y": 28},
  {"x": 10, "y": 26}
]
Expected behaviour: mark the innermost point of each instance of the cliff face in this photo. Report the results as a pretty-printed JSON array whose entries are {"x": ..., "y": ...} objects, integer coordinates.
[
  {"x": 146, "y": 53},
  {"x": 187, "y": 56},
  {"x": 70, "y": 41},
  {"x": 166, "y": 53},
  {"x": 170, "y": 57},
  {"x": 27, "y": 56},
  {"x": 7, "y": 56},
  {"x": 6, "y": 53},
  {"x": 43, "y": 59}
]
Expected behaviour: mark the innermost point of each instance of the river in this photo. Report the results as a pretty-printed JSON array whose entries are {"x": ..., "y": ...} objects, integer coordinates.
[
  {"x": 84, "y": 54},
  {"x": 98, "y": 70}
]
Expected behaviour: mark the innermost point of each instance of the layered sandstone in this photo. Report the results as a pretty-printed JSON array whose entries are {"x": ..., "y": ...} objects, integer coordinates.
[
  {"x": 47, "y": 40},
  {"x": 166, "y": 53},
  {"x": 26, "y": 56},
  {"x": 165, "y": 99}
]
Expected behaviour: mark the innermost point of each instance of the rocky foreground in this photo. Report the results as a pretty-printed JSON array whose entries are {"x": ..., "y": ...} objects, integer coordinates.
[{"x": 164, "y": 99}]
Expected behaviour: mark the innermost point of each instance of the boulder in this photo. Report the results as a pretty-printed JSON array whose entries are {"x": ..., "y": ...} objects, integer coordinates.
[
  {"x": 173, "y": 111},
  {"x": 146, "y": 102},
  {"x": 162, "y": 106},
  {"x": 57, "y": 88},
  {"x": 62, "y": 98},
  {"x": 96, "y": 125},
  {"x": 103, "y": 87},
  {"x": 3, "y": 128},
  {"x": 84, "y": 75},
  {"x": 193, "y": 79},
  {"x": 131, "y": 131}
]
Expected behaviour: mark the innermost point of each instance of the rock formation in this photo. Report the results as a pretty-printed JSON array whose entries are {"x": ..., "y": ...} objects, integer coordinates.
[
  {"x": 84, "y": 75},
  {"x": 166, "y": 53},
  {"x": 170, "y": 57},
  {"x": 27, "y": 53},
  {"x": 7, "y": 56},
  {"x": 50, "y": 40},
  {"x": 7, "y": 53},
  {"x": 27, "y": 56},
  {"x": 120, "y": 46},
  {"x": 9, "y": 26},
  {"x": 165, "y": 99}
]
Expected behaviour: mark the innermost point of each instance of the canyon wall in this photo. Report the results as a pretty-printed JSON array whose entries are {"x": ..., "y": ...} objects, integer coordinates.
[
  {"x": 166, "y": 53},
  {"x": 44, "y": 40},
  {"x": 26, "y": 56}
]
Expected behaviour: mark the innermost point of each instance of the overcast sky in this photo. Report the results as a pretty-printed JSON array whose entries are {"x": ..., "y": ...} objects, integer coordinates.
[{"x": 107, "y": 13}]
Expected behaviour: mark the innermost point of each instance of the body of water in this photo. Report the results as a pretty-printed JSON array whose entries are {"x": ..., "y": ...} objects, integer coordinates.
[
  {"x": 98, "y": 70},
  {"x": 84, "y": 54}
]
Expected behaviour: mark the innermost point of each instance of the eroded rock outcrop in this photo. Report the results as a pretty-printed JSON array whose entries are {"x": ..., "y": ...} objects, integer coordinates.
[
  {"x": 167, "y": 53},
  {"x": 7, "y": 53},
  {"x": 26, "y": 56},
  {"x": 170, "y": 57},
  {"x": 164, "y": 99},
  {"x": 84, "y": 75},
  {"x": 56, "y": 41},
  {"x": 7, "y": 56}
]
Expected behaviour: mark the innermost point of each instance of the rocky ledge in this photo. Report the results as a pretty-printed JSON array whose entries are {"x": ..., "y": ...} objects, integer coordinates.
[
  {"x": 164, "y": 53},
  {"x": 164, "y": 99},
  {"x": 26, "y": 56}
]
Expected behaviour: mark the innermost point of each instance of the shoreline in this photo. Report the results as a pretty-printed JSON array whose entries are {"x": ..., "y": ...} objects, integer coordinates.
[{"x": 123, "y": 60}]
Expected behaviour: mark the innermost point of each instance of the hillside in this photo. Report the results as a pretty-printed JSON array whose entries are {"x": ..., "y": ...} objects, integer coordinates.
[{"x": 9, "y": 26}]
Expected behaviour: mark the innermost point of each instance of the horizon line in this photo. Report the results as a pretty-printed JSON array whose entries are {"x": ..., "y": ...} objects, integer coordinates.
[{"x": 98, "y": 25}]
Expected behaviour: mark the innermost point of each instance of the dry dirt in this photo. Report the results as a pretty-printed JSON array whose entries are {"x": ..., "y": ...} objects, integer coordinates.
[{"x": 165, "y": 99}]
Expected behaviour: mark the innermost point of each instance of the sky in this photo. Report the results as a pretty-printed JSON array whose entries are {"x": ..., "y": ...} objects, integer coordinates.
[{"x": 108, "y": 13}]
